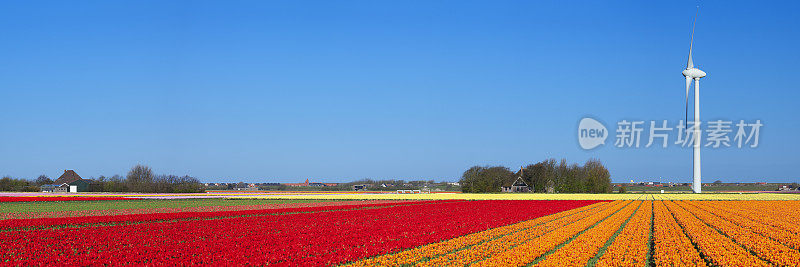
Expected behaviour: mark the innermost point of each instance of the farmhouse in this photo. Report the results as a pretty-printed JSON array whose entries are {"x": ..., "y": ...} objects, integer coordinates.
[
  {"x": 68, "y": 182},
  {"x": 241, "y": 186},
  {"x": 299, "y": 184},
  {"x": 518, "y": 186}
]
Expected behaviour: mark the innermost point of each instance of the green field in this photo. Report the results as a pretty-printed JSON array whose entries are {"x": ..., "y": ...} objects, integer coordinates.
[{"x": 22, "y": 207}]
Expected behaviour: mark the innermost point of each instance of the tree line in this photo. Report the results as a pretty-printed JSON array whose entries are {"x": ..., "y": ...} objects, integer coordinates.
[
  {"x": 548, "y": 176},
  {"x": 139, "y": 179}
]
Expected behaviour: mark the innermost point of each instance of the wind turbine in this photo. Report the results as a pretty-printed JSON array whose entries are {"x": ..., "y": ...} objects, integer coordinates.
[{"x": 692, "y": 73}]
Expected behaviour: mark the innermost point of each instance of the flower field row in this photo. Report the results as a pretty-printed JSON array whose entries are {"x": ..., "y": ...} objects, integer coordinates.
[
  {"x": 621, "y": 233},
  {"x": 469, "y": 196},
  {"x": 39, "y": 199},
  {"x": 786, "y": 237},
  {"x": 109, "y": 208},
  {"x": 308, "y": 238},
  {"x": 762, "y": 246},
  {"x": 718, "y": 248},
  {"x": 140, "y": 218},
  {"x": 671, "y": 246},
  {"x": 626, "y": 249},
  {"x": 585, "y": 246},
  {"x": 430, "y": 251},
  {"x": 483, "y": 250},
  {"x": 423, "y": 233},
  {"x": 780, "y": 214},
  {"x": 539, "y": 246}
]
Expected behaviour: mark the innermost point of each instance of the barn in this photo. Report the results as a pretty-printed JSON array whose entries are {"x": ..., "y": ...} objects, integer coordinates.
[{"x": 70, "y": 181}]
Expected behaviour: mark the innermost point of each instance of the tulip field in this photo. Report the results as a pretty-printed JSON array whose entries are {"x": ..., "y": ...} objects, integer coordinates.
[{"x": 449, "y": 232}]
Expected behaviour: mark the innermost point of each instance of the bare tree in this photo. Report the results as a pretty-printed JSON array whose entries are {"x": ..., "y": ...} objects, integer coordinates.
[
  {"x": 43, "y": 180},
  {"x": 140, "y": 178}
]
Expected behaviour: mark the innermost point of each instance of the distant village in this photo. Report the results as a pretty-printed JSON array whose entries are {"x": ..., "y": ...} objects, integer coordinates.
[
  {"x": 361, "y": 185},
  {"x": 140, "y": 179}
]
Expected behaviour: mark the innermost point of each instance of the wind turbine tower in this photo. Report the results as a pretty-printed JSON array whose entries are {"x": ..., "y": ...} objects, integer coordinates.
[{"x": 694, "y": 74}]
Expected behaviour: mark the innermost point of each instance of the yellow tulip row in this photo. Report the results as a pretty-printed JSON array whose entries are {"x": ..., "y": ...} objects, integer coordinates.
[
  {"x": 630, "y": 246},
  {"x": 527, "y": 252},
  {"x": 761, "y": 245},
  {"x": 720, "y": 249},
  {"x": 585, "y": 246},
  {"x": 433, "y": 250},
  {"x": 726, "y": 196},
  {"x": 483, "y": 250},
  {"x": 470, "y": 196},
  {"x": 671, "y": 246}
]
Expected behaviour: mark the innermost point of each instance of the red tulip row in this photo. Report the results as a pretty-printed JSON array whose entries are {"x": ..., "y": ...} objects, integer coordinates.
[
  {"x": 322, "y": 238},
  {"x": 35, "y": 199},
  {"x": 139, "y": 218}
]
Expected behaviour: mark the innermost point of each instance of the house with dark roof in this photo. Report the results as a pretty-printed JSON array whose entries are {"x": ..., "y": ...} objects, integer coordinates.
[
  {"x": 518, "y": 186},
  {"x": 243, "y": 186},
  {"x": 68, "y": 182}
]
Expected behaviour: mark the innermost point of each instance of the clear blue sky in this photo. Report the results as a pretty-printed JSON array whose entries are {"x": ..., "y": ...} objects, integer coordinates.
[{"x": 283, "y": 91}]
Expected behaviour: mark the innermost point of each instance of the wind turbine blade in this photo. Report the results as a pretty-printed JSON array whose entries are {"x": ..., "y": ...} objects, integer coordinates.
[
  {"x": 688, "y": 84},
  {"x": 689, "y": 63}
]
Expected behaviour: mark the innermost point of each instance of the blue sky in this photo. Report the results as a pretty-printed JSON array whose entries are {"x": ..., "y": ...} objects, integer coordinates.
[{"x": 336, "y": 91}]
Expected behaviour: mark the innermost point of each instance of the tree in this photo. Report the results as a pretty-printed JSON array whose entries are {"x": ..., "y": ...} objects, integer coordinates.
[
  {"x": 43, "y": 180},
  {"x": 140, "y": 178},
  {"x": 547, "y": 175},
  {"x": 717, "y": 182},
  {"x": 622, "y": 189},
  {"x": 11, "y": 184},
  {"x": 479, "y": 179},
  {"x": 598, "y": 175}
]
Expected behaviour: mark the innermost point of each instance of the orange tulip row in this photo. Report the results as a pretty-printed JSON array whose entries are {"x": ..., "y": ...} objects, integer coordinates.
[
  {"x": 671, "y": 246},
  {"x": 483, "y": 250},
  {"x": 780, "y": 214},
  {"x": 750, "y": 222},
  {"x": 630, "y": 246},
  {"x": 585, "y": 246},
  {"x": 434, "y": 250},
  {"x": 725, "y": 233},
  {"x": 720, "y": 249},
  {"x": 761, "y": 245},
  {"x": 527, "y": 252},
  {"x": 781, "y": 207}
]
